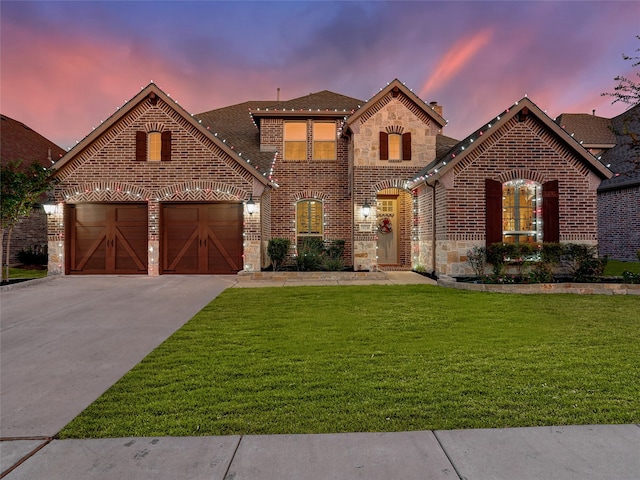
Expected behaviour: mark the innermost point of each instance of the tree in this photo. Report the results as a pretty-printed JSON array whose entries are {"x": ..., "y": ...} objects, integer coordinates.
[
  {"x": 21, "y": 190},
  {"x": 627, "y": 90},
  {"x": 626, "y": 128}
]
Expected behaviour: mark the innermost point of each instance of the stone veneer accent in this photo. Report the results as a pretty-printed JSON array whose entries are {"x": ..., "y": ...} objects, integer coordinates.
[{"x": 576, "y": 288}]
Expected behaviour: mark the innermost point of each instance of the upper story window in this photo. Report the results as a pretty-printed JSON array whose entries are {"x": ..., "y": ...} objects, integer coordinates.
[
  {"x": 309, "y": 218},
  {"x": 153, "y": 146},
  {"x": 295, "y": 140},
  {"x": 521, "y": 212},
  {"x": 324, "y": 141},
  {"x": 395, "y": 146}
]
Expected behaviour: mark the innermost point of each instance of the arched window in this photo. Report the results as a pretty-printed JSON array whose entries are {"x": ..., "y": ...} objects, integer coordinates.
[
  {"x": 309, "y": 219},
  {"x": 521, "y": 212}
]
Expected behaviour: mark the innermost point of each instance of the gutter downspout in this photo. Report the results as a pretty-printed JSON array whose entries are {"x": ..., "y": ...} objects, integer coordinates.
[{"x": 433, "y": 226}]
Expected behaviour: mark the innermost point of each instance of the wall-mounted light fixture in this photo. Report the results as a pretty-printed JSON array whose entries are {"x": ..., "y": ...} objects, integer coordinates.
[
  {"x": 251, "y": 205},
  {"x": 366, "y": 209},
  {"x": 50, "y": 206}
]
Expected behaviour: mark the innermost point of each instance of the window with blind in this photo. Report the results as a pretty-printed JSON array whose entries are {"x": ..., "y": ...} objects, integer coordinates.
[
  {"x": 153, "y": 146},
  {"x": 295, "y": 140},
  {"x": 324, "y": 141},
  {"x": 309, "y": 218},
  {"x": 395, "y": 146}
]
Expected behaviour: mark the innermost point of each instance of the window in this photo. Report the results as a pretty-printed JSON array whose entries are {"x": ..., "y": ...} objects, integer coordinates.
[
  {"x": 153, "y": 146},
  {"x": 295, "y": 140},
  {"x": 395, "y": 146},
  {"x": 521, "y": 211},
  {"x": 309, "y": 218},
  {"x": 324, "y": 141}
]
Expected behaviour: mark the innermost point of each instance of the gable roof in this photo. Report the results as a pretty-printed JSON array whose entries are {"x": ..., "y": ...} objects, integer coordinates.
[
  {"x": 396, "y": 87},
  {"x": 463, "y": 148},
  {"x": 153, "y": 89},
  {"x": 594, "y": 132},
  {"x": 19, "y": 142}
]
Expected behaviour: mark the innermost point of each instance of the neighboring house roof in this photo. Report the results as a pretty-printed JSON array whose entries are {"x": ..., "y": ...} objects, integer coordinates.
[
  {"x": 624, "y": 158},
  {"x": 463, "y": 148},
  {"x": 19, "y": 142},
  {"x": 153, "y": 89},
  {"x": 594, "y": 132}
]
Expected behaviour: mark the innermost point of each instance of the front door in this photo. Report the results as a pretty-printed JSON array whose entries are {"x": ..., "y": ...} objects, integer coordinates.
[
  {"x": 202, "y": 238},
  {"x": 107, "y": 238},
  {"x": 387, "y": 208}
]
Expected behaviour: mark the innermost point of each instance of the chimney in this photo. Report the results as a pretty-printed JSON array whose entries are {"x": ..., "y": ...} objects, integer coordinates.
[
  {"x": 593, "y": 112},
  {"x": 436, "y": 107},
  {"x": 278, "y": 95}
]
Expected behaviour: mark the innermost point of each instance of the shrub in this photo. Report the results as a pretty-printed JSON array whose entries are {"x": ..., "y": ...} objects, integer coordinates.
[
  {"x": 498, "y": 254},
  {"x": 36, "y": 255},
  {"x": 582, "y": 263},
  {"x": 334, "y": 248},
  {"x": 630, "y": 277},
  {"x": 309, "y": 256},
  {"x": 332, "y": 264},
  {"x": 277, "y": 249},
  {"x": 477, "y": 259},
  {"x": 550, "y": 255}
]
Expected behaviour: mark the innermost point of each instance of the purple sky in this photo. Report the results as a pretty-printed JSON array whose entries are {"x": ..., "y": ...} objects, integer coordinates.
[{"x": 66, "y": 66}]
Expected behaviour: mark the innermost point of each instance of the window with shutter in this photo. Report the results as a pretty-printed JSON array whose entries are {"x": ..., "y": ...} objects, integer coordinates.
[
  {"x": 493, "y": 204},
  {"x": 154, "y": 140},
  {"x": 406, "y": 146},
  {"x": 141, "y": 146},
  {"x": 384, "y": 146},
  {"x": 550, "y": 212},
  {"x": 165, "y": 152}
]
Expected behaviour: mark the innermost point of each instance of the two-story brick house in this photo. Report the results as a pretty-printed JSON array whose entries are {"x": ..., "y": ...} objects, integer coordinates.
[{"x": 156, "y": 190}]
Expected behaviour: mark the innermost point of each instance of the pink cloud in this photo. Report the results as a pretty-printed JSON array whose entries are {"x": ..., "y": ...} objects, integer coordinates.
[{"x": 455, "y": 59}]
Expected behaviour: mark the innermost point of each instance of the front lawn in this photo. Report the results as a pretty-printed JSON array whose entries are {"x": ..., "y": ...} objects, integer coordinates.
[
  {"x": 615, "y": 268},
  {"x": 380, "y": 358}
]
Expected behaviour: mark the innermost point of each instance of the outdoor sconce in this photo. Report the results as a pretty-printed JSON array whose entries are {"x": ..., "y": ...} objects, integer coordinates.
[
  {"x": 366, "y": 209},
  {"x": 50, "y": 206},
  {"x": 251, "y": 205}
]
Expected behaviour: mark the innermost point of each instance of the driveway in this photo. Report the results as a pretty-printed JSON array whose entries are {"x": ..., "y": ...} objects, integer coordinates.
[{"x": 65, "y": 340}]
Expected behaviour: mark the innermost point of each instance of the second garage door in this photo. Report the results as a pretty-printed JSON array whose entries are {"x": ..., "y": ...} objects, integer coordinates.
[{"x": 202, "y": 238}]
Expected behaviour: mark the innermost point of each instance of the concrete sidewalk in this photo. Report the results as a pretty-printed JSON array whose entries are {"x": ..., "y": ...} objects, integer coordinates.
[
  {"x": 66, "y": 340},
  {"x": 554, "y": 453}
]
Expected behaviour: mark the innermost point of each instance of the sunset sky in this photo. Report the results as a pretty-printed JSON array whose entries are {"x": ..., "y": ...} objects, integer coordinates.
[{"x": 66, "y": 66}]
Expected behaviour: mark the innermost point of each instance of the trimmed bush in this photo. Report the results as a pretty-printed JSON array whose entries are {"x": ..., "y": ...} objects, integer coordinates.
[{"x": 278, "y": 249}]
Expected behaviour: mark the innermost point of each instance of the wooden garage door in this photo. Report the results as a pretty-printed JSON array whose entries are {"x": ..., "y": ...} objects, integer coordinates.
[
  {"x": 202, "y": 238},
  {"x": 107, "y": 238}
]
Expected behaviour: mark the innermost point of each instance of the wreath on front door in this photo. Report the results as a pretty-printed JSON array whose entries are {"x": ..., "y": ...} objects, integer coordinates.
[{"x": 385, "y": 225}]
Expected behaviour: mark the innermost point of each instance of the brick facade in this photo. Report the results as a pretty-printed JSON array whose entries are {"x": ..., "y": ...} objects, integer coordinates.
[
  {"x": 440, "y": 200},
  {"x": 619, "y": 223}
]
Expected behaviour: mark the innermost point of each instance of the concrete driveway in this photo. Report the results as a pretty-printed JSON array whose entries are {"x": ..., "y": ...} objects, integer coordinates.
[{"x": 65, "y": 340}]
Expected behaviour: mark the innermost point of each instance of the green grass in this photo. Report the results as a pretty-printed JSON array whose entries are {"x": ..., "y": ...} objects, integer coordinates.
[
  {"x": 380, "y": 358},
  {"x": 615, "y": 268},
  {"x": 25, "y": 273}
]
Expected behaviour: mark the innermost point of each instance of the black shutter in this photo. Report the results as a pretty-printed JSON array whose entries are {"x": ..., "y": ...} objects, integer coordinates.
[
  {"x": 406, "y": 146},
  {"x": 384, "y": 146},
  {"x": 165, "y": 152},
  {"x": 493, "y": 200},
  {"x": 550, "y": 212},
  {"x": 141, "y": 146}
]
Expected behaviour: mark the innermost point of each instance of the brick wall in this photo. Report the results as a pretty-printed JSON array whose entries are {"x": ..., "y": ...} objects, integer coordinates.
[
  {"x": 199, "y": 171},
  {"x": 517, "y": 150},
  {"x": 619, "y": 223},
  {"x": 29, "y": 232},
  {"x": 327, "y": 181}
]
